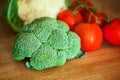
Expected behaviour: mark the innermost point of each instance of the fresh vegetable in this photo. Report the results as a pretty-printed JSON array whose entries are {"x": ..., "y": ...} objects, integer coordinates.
[
  {"x": 81, "y": 6},
  {"x": 88, "y": 3},
  {"x": 70, "y": 18},
  {"x": 111, "y": 32},
  {"x": 20, "y": 12},
  {"x": 91, "y": 36},
  {"x": 98, "y": 18},
  {"x": 47, "y": 43},
  {"x": 11, "y": 15},
  {"x": 79, "y": 18},
  {"x": 88, "y": 27},
  {"x": 88, "y": 12}
]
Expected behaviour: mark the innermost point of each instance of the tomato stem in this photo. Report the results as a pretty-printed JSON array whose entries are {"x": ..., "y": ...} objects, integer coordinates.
[
  {"x": 67, "y": 3},
  {"x": 70, "y": 6},
  {"x": 89, "y": 18}
]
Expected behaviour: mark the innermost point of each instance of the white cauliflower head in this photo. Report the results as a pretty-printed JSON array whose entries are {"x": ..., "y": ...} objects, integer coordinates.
[{"x": 28, "y": 10}]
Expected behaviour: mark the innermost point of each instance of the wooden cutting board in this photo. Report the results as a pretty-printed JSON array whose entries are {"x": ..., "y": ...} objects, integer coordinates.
[{"x": 102, "y": 64}]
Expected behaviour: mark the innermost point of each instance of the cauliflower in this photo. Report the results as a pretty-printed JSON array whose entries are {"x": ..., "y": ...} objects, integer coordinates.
[
  {"x": 20, "y": 12},
  {"x": 47, "y": 43}
]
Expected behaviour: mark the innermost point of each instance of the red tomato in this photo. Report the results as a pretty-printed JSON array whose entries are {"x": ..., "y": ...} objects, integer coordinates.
[
  {"x": 79, "y": 18},
  {"x": 99, "y": 18},
  {"x": 111, "y": 32},
  {"x": 68, "y": 17},
  {"x": 89, "y": 18},
  {"x": 79, "y": 7},
  {"x": 91, "y": 36},
  {"x": 116, "y": 21},
  {"x": 82, "y": 11},
  {"x": 88, "y": 3}
]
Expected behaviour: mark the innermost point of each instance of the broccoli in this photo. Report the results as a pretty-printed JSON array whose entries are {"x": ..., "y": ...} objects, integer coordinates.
[
  {"x": 20, "y": 12},
  {"x": 47, "y": 42}
]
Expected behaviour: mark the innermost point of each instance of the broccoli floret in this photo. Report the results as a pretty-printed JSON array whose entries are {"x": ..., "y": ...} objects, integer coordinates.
[
  {"x": 20, "y": 12},
  {"x": 47, "y": 43}
]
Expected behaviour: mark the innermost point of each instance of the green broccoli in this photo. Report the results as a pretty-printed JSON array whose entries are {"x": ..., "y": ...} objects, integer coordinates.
[{"x": 47, "y": 43}]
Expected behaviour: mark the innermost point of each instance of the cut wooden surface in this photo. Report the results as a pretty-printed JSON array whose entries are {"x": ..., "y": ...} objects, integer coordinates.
[{"x": 102, "y": 64}]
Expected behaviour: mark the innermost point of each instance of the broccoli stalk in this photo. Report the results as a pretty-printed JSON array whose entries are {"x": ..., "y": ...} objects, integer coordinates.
[{"x": 47, "y": 43}]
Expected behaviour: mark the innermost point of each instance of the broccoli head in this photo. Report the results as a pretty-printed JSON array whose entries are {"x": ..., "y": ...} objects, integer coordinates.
[{"x": 47, "y": 43}]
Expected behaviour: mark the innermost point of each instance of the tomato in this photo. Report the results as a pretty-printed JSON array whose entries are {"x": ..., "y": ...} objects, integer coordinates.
[
  {"x": 81, "y": 6},
  {"x": 116, "y": 21},
  {"x": 68, "y": 17},
  {"x": 90, "y": 35},
  {"x": 82, "y": 11},
  {"x": 79, "y": 9},
  {"x": 89, "y": 18},
  {"x": 79, "y": 18},
  {"x": 99, "y": 18},
  {"x": 111, "y": 32},
  {"x": 88, "y": 3}
]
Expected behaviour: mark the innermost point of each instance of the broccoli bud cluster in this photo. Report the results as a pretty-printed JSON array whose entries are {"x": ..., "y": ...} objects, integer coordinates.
[{"x": 47, "y": 43}]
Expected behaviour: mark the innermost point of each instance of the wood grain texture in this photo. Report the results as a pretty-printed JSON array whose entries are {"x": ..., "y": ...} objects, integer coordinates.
[{"x": 102, "y": 64}]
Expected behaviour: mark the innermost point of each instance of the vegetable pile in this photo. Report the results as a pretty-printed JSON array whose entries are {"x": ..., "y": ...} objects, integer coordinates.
[
  {"x": 47, "y": 43},
  {"x": 92, "y": 26},
  {"x": 48, "y": 36}
]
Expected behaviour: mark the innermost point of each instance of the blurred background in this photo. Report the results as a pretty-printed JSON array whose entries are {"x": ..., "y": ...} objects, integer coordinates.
[{"x": 110, "y": 7}]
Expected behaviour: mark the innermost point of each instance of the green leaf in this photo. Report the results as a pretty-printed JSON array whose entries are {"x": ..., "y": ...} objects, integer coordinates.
[{"x": 11, "y": 16}]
